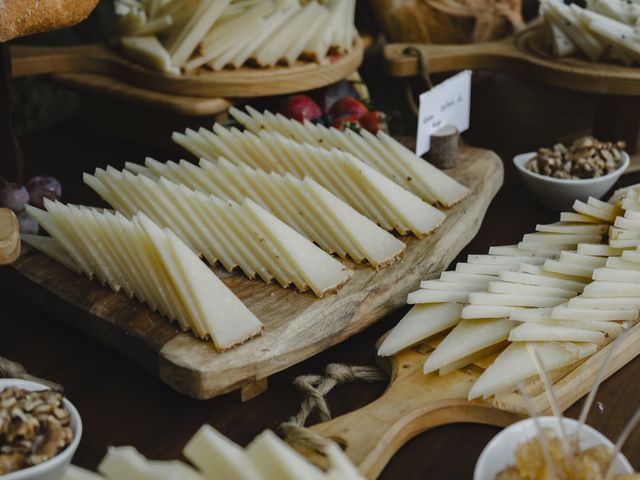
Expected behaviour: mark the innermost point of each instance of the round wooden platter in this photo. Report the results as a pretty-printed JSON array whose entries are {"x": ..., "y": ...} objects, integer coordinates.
[
  {"x": 243, "y": 82},
  {"x": 525, "y": 54}
]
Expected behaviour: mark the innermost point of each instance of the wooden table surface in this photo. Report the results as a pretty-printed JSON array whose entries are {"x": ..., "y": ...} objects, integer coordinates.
[{"x": 122, "y": 405}]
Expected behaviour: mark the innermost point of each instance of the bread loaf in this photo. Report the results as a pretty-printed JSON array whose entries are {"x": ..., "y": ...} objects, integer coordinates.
[{"x": 19, "y": 18}]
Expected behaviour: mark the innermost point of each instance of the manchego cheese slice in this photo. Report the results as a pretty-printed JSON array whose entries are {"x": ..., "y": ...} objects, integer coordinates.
[
  {"x": 515, "y": 364},
  {"x": 420, "y": 323},
  {"x": 468, "y": 337}
]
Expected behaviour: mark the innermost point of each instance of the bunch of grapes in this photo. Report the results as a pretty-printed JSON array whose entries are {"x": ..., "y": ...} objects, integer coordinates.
[{"x": 15, "y": 197}]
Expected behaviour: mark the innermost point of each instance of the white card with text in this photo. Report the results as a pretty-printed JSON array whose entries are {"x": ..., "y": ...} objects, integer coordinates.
[{"x": 448, "y": 103}]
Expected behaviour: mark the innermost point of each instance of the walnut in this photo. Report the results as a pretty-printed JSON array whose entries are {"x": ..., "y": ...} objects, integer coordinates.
[
  {"x": 585, "y": 158},
  {"x": 34, "y": 427}
]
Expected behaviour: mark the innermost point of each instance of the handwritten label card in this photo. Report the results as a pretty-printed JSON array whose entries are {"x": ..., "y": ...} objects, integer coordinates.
[{"x": 448, "y": 103}]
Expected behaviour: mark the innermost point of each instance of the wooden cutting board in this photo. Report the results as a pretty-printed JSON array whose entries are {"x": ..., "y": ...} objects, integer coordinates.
[
  {"x": 243, "y": 82},
  {"x": 526, "y": 55},
  {"x": 414, "y": 403},
  {"x": 297, "y": 325}
]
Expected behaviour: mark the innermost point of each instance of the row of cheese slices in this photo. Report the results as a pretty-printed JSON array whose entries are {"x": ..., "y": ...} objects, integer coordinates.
[
  {"x": 217, "y": 458},
  {"x": 261, "y": 208},
  {"x": 175, "y": 35},
  {"x": 143, "y": 260},
  {"x": 548, "y": 290}
]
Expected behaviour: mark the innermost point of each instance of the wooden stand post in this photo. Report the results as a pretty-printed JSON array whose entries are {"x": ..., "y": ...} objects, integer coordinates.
[
  {"x": 11, "y": 167},
  {"x": 444, "y": 147}
]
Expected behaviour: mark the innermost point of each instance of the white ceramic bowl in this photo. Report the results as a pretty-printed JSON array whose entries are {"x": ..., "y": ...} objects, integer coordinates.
[
  {"x": 559, "y": 194},
  {"x": 498, "y": 454},
  {"x": 54, "y": 468}
]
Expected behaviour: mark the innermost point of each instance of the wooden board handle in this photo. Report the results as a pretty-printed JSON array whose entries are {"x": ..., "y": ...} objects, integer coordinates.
[
  {"x": 374, "y": 433},
  {"x": 500, "y": 56},
  {"x": 9, "y": 236}
]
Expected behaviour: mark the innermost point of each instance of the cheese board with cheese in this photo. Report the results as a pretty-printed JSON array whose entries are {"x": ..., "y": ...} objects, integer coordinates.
[
  {"x": 485, "y": 344},
  {"x": 295, "y": 325}
]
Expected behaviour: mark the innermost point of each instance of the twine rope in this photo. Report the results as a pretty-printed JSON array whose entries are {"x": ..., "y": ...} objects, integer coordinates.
[
  {"x": 9, "y": 369},
  {"x": 315, "y": 389}
]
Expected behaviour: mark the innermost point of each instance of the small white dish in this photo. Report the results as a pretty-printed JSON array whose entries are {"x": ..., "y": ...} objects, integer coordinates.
[
  {"x": 558, "y": 193},
  {"x": 498, "y": 454},
  {"x": 55, "y": 468}
]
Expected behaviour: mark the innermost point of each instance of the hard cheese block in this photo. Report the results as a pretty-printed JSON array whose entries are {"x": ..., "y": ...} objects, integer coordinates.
[{"x": 153, "y": 265}]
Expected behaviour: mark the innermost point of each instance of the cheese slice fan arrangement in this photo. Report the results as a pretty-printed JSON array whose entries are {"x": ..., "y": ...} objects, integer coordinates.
[
  {"x": 304, "y": 205},
  {"x": 243, "y": 235},
  {"x": 178, "y": 35},
  {"x": 568, "y": 289},
  {"x": 361, "y": 186},
  {"x": 141, "y": 259},
  {"x": 381, "y": 152}
]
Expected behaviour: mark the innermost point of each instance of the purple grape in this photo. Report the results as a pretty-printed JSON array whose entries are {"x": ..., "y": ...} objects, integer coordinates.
[
  {"x": 13, "y": 196},
  {"x": 41, "y": 187},
  {"x": 28, "y": 224}
]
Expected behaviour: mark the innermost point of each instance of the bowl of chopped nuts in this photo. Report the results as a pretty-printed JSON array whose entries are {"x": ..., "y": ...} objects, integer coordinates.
[
  {"x": 39, "y": 431},
  {"x": 559, "y": 175}
]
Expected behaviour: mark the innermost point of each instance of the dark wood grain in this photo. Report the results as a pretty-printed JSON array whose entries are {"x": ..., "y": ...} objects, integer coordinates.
[{"x": 121, "y": 404}]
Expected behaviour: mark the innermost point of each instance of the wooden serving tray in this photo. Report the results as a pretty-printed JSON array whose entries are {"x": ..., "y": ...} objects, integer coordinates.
[
  {"x": 414, "y": 403},
  {"x": 526, "y": 55},
  {"x": 243, "y": 82},
  {"x": 297, "y": 325}
]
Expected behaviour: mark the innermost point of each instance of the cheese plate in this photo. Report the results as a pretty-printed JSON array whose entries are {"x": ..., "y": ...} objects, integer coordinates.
[{"x": 297, "y": 325}]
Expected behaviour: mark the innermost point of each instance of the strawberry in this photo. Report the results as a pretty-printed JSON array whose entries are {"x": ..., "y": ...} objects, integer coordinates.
[
  {"x": 347, "y": 121},
  {"x": 301, "y": 108},
  {"x": 373, "y": 121},
  {"x": 347, "y": 106}
]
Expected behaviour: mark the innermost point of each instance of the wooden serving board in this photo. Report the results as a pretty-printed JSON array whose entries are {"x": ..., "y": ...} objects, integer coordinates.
[
  {"x": 114, "y": 89},
  {"x": 526, "y": 55},
  {"x": 243, "y": 82},
  {"x": 297, "y": 325},
  {"x": 414, "y": 403}
]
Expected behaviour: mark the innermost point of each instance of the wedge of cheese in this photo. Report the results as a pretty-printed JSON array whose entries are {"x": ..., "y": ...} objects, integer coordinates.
[
  {"x": 51, "y": 248},
  {"x": 565, "y": 312},
  {"x": 420, "y": 323},
  {"x": 218, "y": 457},
  {"x": 539, "y": 332},
  {"x": 244, "y": 234},
  {"x": 381, "y": 152},
  {"x": 148, "y": 51},
  {"x": 515, "y": 365},
  {"x": 521, "y": 278},
  {"x": 302, "y": 204},
  {"x": 154, "y": 265},
  {"x": 126, "y": 463},
  {"x": 361, "y": 186},
  {"x": 468, "y": 337},
  {"x": 275, "y": 460}
]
